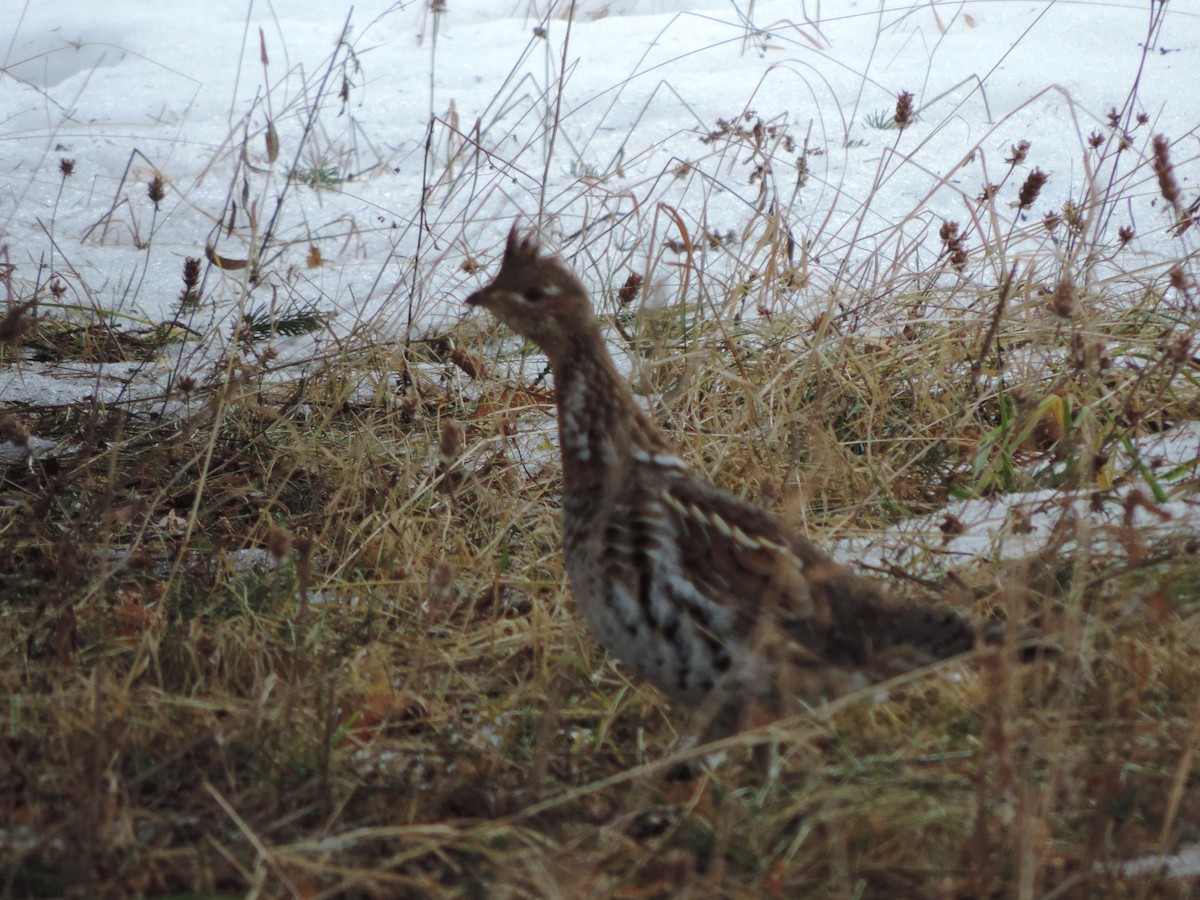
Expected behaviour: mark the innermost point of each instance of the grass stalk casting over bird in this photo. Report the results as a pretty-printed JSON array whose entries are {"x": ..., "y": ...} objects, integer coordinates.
[{"x": 305, "y": 626}]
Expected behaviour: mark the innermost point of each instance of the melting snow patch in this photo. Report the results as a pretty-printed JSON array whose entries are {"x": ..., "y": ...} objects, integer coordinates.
[
  {"x": 1184, "y": 864},
  {"x": 1016, "y": 525}
]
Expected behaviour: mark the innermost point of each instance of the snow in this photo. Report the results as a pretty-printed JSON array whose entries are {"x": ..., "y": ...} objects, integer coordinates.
[
  {"x": 126, "y": 95},
  {"x": 1185, "y": 864},
  {"x": 190, "y": 95}
]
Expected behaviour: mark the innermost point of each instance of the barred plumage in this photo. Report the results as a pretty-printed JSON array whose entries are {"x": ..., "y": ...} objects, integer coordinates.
[{"x": 706, "y": 596}]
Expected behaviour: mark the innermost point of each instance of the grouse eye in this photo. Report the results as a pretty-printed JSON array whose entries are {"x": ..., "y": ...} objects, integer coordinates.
[{"x": 534, "y": 293}]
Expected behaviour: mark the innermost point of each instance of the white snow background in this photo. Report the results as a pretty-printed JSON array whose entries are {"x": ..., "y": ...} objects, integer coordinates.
[
  {"x": 419, "y": 137},
  {"x": 127, "y": 93}
]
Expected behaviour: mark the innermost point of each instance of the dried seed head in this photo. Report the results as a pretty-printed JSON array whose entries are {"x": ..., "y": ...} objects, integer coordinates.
[
  {"x": 14, "y": 431},
  {"x": 1178, "y": 350},
  {"x": 1167, "y": 185},
  {"x": 1133, "y": 408},
  {"x": 1125, "y": 234},
  {"x": 630, "y": 289},
  {"x": 904, "y": 115},
  {"x": 408, "y": 409},
  {"x": 66, "y": 167},
  {"x": 1063, "y": 301},
  {"x": 1095, "y": 140},
  {"x": 189, "y": 296},
  {"x": 191, "y": 272},
  {"x": 1017, "y": 154},
  {"x": 279, "y": 541},
  {"x": 1085, "y": 354},
  {"x": 57, "y": 289},
  {"x": 1187, "y": 219},
  {"x": 1031, "y": 188},
  {"x": 14, "y": 323},
  {"x": 1178, "y": 279},
  {"x": 1072, "y": 214},
  {"x": 157, "y": 189},
  {"x": 1021, "y": 522},
  {"x": 955, "y": 244},
  {"x": 988, "y": 192},
  {"x": 441, "y": 583},
  {"x": 304, "y": 548},
  {"x": 801, "y": 170},
  {"x": 1143, "y": 118},
  {"x": 952, "y": 526},
  {"x": 465, "y": 361},
  {"x": 1051, "y": 220},
  {"x": 450, "y": 442}
]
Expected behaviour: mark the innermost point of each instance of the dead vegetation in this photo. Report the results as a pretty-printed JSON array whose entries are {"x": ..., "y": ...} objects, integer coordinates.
[{"x": 303, "y": 629}]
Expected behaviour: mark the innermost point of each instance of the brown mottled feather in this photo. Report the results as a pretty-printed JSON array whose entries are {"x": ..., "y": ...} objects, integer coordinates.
[{"x": 711, "y": 599}]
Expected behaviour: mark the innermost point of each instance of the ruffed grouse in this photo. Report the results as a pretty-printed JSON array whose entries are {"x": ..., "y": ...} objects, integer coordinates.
[{"x": 711, "y": 599}]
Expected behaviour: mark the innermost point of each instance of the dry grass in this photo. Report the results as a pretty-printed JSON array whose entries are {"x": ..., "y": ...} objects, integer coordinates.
[{"x": 309, "y": 635}]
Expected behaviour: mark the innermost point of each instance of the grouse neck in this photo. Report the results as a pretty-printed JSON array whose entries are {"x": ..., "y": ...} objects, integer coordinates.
[{"x": 596, "y": 413}]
